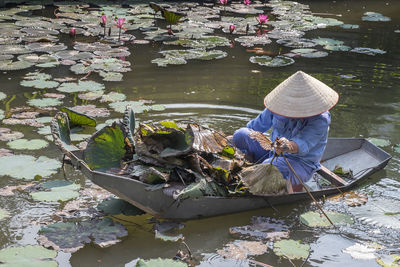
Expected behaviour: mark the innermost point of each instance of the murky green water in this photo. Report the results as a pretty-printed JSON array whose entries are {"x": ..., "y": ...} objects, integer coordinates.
[{"x": 224, "y": 94}]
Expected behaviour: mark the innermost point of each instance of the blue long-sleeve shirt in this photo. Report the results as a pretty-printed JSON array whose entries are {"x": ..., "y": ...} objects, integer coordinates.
[{"x": 310, "y": 134}]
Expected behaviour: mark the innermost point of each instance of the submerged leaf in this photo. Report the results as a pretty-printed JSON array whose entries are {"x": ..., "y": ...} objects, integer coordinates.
[
  {"x": 33, "y": 256},
  {"x": 291, "y": 249},
  {"x": 379, "y": 141}
]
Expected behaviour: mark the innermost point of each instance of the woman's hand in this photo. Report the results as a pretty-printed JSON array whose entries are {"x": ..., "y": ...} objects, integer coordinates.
[{"x": 284, "y": 145}]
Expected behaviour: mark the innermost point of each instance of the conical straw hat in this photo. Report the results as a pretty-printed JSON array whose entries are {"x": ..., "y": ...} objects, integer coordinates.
[{"x": 301, "y": 96}]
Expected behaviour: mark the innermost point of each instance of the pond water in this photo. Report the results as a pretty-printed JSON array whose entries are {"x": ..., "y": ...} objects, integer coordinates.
[{"x": 222, "y": 94}]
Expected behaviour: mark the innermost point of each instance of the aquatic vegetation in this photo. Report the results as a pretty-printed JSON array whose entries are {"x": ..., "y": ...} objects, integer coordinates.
[
  {"x": 39, "y": 84},
  {"x": 3, "y": 214},
  {"x": 80, "y": 86},
  {"x": 14, "y": 49},
  {"x": 248, "y": 41},
  {"x": 27, "y": 167},
  {"x": 314, "y": 219},
  {"x": 368, "y": 51},
  {"x": 44, "y": 102},
  {"x": 309, "y": 52},
  {"x": 360, "y": 251},
  {"x": 136, "y": 106},
  {"x": 15, "y": 65},
  {"x": 241, "y": 249},
  {"x": 291, "y": 249},
  {"x": 374, "y": 16},
  {"x": 91, "y": 111},
  {"x": 46, "y": 47},
  {"x": 278, "y": 61},
  {"x": 56, "y": 190},
  {"x": 35, "y": 256},
  {"x": 160, "y": 262},
  {"x": 352, "y": 199},
  {"x": 25, "y": 144},
  {"x": 76, "y": 118},
  {"x": 72, "y": 236},
  {"x": 2, "y": 96},
  {"x": 113, "y": 97},
  {"x": 379, "y": 141}
]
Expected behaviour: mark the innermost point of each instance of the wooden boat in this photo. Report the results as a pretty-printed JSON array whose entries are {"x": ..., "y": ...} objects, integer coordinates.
[{"x": 357, "y": 154}]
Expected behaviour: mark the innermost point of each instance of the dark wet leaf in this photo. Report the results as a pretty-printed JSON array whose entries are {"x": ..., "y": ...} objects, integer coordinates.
[
  {"x": 78, "y": 119},
  {"x": 71, "y": 236},
  {"x": 33, "y": 256},
  {"x": 115, "y": 206},
  {"x": 263, "y": 179},
  {"x": 106, "y": 148},
  {"x": 200, "y": 189},
  {"x": 241, "y": 249}
]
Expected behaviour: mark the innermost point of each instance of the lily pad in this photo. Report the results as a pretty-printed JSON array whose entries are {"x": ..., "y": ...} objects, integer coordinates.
[
  {"x": 160, "y": 262},
  {"x": 249, "y": 41},
  {"x": 27, "y": 167},
  {"x": 78, "y": 119},
  {"x": 360, "y": 252},
  {"x": 72, "y": 236},
  {"x": 309, "y": 52},
  {"x": 374, "y": 16},
  {"x": 368, "y": 51},
  {"x": 8, "y": 135},
  {"x": 35, "y": 256},
  {"x": 44, "y": 102},
  {"x": 2, "y": 96},
  {"x": 39, "y": 84},
  {"x": 25, "y": 144},
  {"x": 81, "y": 86},
  {"x": 327, "y": 41},
  {"x": 34, "y": 58},
  {"x": 3, "y": 214},
  {"x": 13, "y": 49},
  {"x": 15, "y": 65},
  {"x": 136, "y": 106},
  {"x": 379, "y": 142},
  {"x": 57, "y": 190},
  {"x": 37, "y": 76},
  {"x": 350, "y": 26},
  {"x": 115, "y": 206},
  {"x": 46, "y": 47},
  {"x": 291, "y": 249},
  {"x": 113, "y": 97},
  {"x": 163, "y": 62},
  {"x": 106, "y": 148},
  {"x": 315, "y": 219},
  {"x": 111, "y": 76},
  {"x": 241, "y": 249},
  {"x": 278, "y": 61},
  {"x": 91, "y": 95},
  {"x": 1, "y": 114}
]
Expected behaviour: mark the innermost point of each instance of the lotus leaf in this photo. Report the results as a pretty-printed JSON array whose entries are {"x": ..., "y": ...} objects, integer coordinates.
[
  {"x": 297, "y": 43},
  {"x": 291, "y": 249},
  {"x": 111, "y": 76},
  {"x": 79, "y": 137},
  {"x": 314, "y": 219},
  {"x": 374, "y": 16},
  {"x": 33, "y": 256},
  {"x": 71, "y": 236},
  {"x": 200, "y": 189},
  {"x": 241, "y": 249},
  {"x": 106, "y": 148},
  {"x": 54, "y": 95},
  {"x": 263, "y": 179},
  {"x": 368, "y": 51},
  {"x": 160, "y": 262},
  {"x": 57, "y": 190},
  {"x": 360, "y": 252},
  {"x": 278, "y": 61},
  {"x": 81, "y": 68},
  {"x": 44, "y": 102},
  {"x": 39, "y": 84},
  {"x": 77, "y": 119},
  {"x": 91, "y": 95},
  {"x": 61, "y": 132},
  {"x": 45, "y": 47},
  {"x": 44, "y": 119},
  {"x": 8, "y": 135},
  {"x": 115, "y": 206},
  {"x": 136, "y": 106},
  {"x": 6, "y": 57},
  {"x": 13, "y": 49},
  {"x": 44, "y": 130},
  {"x": 24, "y": 144},
  {"x": 81, "y": 86},
  {"x": 14, "y": 65},
  {"x": 379, "y": 141},
  {"x": 249, "y": 41},
  {"x": 204, "y": 42},
  {"x": 212, "y": 54},
  {"x": 163, "y": 62},
  {"x": 2, "y": 96},
  {"x": 350, "y": 26},
  {"x": 129, "y": 122},
  {"x": 27, "y": 167},
  {"x": 113, "y": 97},
  {"x": 3, "y": 214},
  {"x": 310, "y": 52}
]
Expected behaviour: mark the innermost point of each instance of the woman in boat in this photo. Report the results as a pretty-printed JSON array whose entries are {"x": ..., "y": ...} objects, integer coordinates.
[{"x": 297, "y": 112}]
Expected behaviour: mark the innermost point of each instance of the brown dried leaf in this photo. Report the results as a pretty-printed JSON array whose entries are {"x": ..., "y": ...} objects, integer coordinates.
[
  {"x": 263, "y": 140},
  {"x": 242, "y": 249},
  {"x": 352, "y": 199}
]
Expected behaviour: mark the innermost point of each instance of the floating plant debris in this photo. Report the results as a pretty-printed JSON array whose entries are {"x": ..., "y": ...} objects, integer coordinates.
[
  {"x": 374, "y": 16},
  {"x": 115, "y": 206},
  {"x": 241, "y": 249},
  {"x": 368, "y": 51}
]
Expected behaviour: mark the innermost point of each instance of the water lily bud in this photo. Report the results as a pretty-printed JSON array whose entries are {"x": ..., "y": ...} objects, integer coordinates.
[
  {"x": 170, "y": 32},
  {"x": 247, "y": 2},
  {"x": 72, "y": 32},
  {"x": 104, "y": 20},
  {"x": 223, "y": 2},
  {"x": 232, "y": 28}
]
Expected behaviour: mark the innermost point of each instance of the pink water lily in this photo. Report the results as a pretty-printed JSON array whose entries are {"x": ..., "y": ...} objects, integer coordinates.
[
  {"x": 170, "y": 32},
  {"x": 262, "y": 19},
  {"x": 232, "y": 28},
  {"x": 247, "y": 2},
  {"x": 223, "y": 2},
  {"x": 104, "y": 20},
  {"x": 120, "y": 22},
  {"x": 72, "y": 32}
]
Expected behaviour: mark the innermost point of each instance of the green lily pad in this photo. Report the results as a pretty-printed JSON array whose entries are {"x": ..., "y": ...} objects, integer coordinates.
[
  {"x": 34, "y": 58},
  {"x": 136, "y": 106},
  {"x": 327, "y": 41},
  {"x": 13, "y": 49},
  {"x": 57, "y": 190},
  {"x": 79, "y": 137},
  {"x": 379, "y": 141},
  {"x": 368, "y": 51},
  {"x": 163, "y": 62},
  {"x": 291, "y": 249},
  {"x": 14, "y": 65},
  {"x": 37, "y": 76},
  {"x": 115, "y": 206},
  {"x": 71, "y": 236},
  {"x": 249, "y": 41},
  {"x": 337, "y": 47},
  {"x": 160, "y": 262},
  {"x": 315, "y": 219},
  {"x": 81, "y": 86},
  {"x": 2, "y": 96},
  {"x": 310, "y": 52},
  {"x": 45, "y": 47},
  {"x": 113, "y": 97},
  {"x": 1, "y": 114},
  {"x": 374, "y": 16},
  {"x": 106, "y": 148},
  {"x": 157, "y": 107},
  {"x": 111, "y": 76},
  {"x": 27, "y": 167},
  {"x": 350, "y": 26},
  {"x": 33, "y": 256},
  {"x": 278, "y": 61},
  {"x": 78, "y": 119},
  {"x": 44, "y": 102},
  {"x": 3, "y": 214},
  {"x": 25, "y": 144},
  {"x": 91, "y": 95},
  {"x": 39, "y": 84}
]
